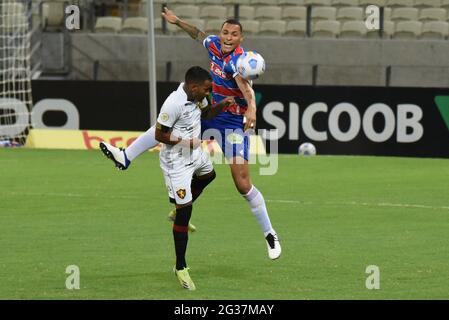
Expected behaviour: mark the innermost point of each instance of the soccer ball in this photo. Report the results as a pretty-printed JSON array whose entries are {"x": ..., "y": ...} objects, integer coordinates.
[
  {"x": 307, "y": 149},
  {"x": 251, "y": 65}
]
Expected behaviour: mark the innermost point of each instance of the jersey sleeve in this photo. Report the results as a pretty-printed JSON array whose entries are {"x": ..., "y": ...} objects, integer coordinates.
[
  {"x": 208, "y": 41},
  {"x": 231, "y": 66},
  {"x": 169, "y": 114}
]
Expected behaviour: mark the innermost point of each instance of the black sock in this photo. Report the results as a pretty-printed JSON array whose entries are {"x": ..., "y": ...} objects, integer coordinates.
[
  {"x": 180, "y": 235},
  {"x": 198, "y": 185}
]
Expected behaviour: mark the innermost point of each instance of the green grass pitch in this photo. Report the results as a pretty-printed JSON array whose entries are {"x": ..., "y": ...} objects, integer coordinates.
[{"x": 335, "y": 217}]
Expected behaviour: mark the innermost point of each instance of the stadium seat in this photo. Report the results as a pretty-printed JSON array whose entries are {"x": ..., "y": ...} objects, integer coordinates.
[
  {"x": 158, "y": 26},
  {"x": 324, "y": 13},
  {"x": 245, "y": 12},
  {"x": 213, "y": 12},
  {"x": 408, "y": 30},
  {"x": 135, "y": 25},
  {"x": 387, "y": 14},
  {"x": 250, "y": 27},
  {"x": 326, "y": 29},
  {"x": 404, "y": 14},
  {"x": 108, "y": 24},
  {"x": 435, "y": 30},
  {"x": 327, "y": 3},
  {"x": 294, "y": 13},
  {"x": 189, "y": 2},
  {"x": 272, "y": 28},
  {"x": 263, "y": 2},
  {"x": 379, "y": 3},
  {"x": 199, "y": 23},
  {"x": 205, "y": 2},
  {"x": 296, "y": 28},
  {"x": 268, "y": 13},
  {"x": 389, "y": 28},
  {"x": 353, "y": 30},
  {"x": 386, "y": 34},
  {"x": 445, "y": 4},
  {"x": 400, "y": 3},
  {"x": 291, "y": 2},
  {"x": 432, "y": 14},
  {"x": 214, "y": 26},
  {"x": 350, "y": 13},
  {"x": 187, "y": 11},
  {"x": 345, "y": 3},
  {"x": 53, "y": 14},
  {"x": 239, "y": 2},
  {"x": 427, "y": 3}
]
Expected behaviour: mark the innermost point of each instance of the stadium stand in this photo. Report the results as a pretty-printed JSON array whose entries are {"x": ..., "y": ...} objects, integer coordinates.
[
  {"x": 407, "y": 30},
  {"x": 345, "y": 3},
  {"x": 400, "y": 3},
  {"x": 268, "y": 13},
  {"x": 263, "y": 2},
  {"x": 108, "y": 25},
  {"x": 296, "y": 28},
  {"x": 291, "y": 2},
  {"x": 324, "y": 13},
  {"x": 432, "y": 14},
  {"x": 237, "y": 2},
  {"x": 245, "y": 13},
  {"x": 353, "y": 30},
  {"x": 213, "y": 12},
  {"x": 326, "y": 29},
  {"x": 250, "y": 27},
  {"x": 404, "y": 14},
  {"x": 379, "y": 3},
  {"x": 428, "y": 3},
  {"x": 318, "y": 2},
  {"x": 272, "y": 27},
  {"x": 350, "y": 13},
  {"x": 436, "y": 30},
  {"x": 213, "y": 26},
  {"x": 135, "y": 25},
  {"x": 295, "y": 13},
  {"x": 187, "y": 11}
]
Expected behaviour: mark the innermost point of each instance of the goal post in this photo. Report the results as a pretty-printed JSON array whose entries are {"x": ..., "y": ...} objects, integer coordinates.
[{"x": 15, "y": 71}]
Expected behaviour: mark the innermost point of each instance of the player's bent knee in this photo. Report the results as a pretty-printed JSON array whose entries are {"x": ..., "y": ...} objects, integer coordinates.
[{"x": 201, "y": 182}]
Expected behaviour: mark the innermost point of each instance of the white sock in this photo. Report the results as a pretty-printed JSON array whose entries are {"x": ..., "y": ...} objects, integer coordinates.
[
  {"x": 258, "y": 208},
  {"x": 143, "y": 143}
]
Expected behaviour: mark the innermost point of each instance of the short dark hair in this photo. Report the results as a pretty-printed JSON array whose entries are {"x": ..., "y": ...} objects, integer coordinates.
[
  {"x": 197, "y": 75},
  {"x": 233, "y": 21}
]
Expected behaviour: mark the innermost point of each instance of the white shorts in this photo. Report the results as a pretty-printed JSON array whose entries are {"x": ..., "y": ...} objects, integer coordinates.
[{"x": 178, "y": 176}]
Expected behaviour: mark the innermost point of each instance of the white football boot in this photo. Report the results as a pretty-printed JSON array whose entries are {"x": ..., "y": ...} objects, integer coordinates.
[
  {"x": 117, "y": 155},
  {"x": 273, "y": 245}
]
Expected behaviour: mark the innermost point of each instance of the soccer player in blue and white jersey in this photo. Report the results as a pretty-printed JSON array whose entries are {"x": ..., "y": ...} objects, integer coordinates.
[{"x": 230, "y": 126}]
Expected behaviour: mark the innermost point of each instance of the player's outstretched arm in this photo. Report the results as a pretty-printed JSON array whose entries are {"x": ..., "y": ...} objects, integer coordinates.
[
  {"x": 212, "y": 111},
  {"x": 192, "y": 31},
  {"x": 250, "y": 97}
]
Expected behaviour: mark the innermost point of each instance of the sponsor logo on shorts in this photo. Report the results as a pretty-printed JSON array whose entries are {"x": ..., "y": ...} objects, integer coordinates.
[{"x": 181, "y": 193}]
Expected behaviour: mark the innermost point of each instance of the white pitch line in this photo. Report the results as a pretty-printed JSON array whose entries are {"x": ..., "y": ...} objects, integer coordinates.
[
  {"x": 130, "y": 197},
  {"x": 354, "y": 203}
]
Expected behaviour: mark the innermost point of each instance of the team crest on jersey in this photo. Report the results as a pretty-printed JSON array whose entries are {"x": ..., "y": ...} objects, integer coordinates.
[
  {"x": 181, "y": 193},
  {"x": 164, "y": 117}
]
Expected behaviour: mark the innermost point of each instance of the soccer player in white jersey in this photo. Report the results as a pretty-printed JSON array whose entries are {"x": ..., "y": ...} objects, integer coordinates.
[
  {"x": 223, "y": 50},
  {"x": 187, "y": 169}
]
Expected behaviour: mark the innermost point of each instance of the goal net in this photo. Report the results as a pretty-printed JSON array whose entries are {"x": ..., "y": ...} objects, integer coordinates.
[{"x": 15, "y": 71}]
